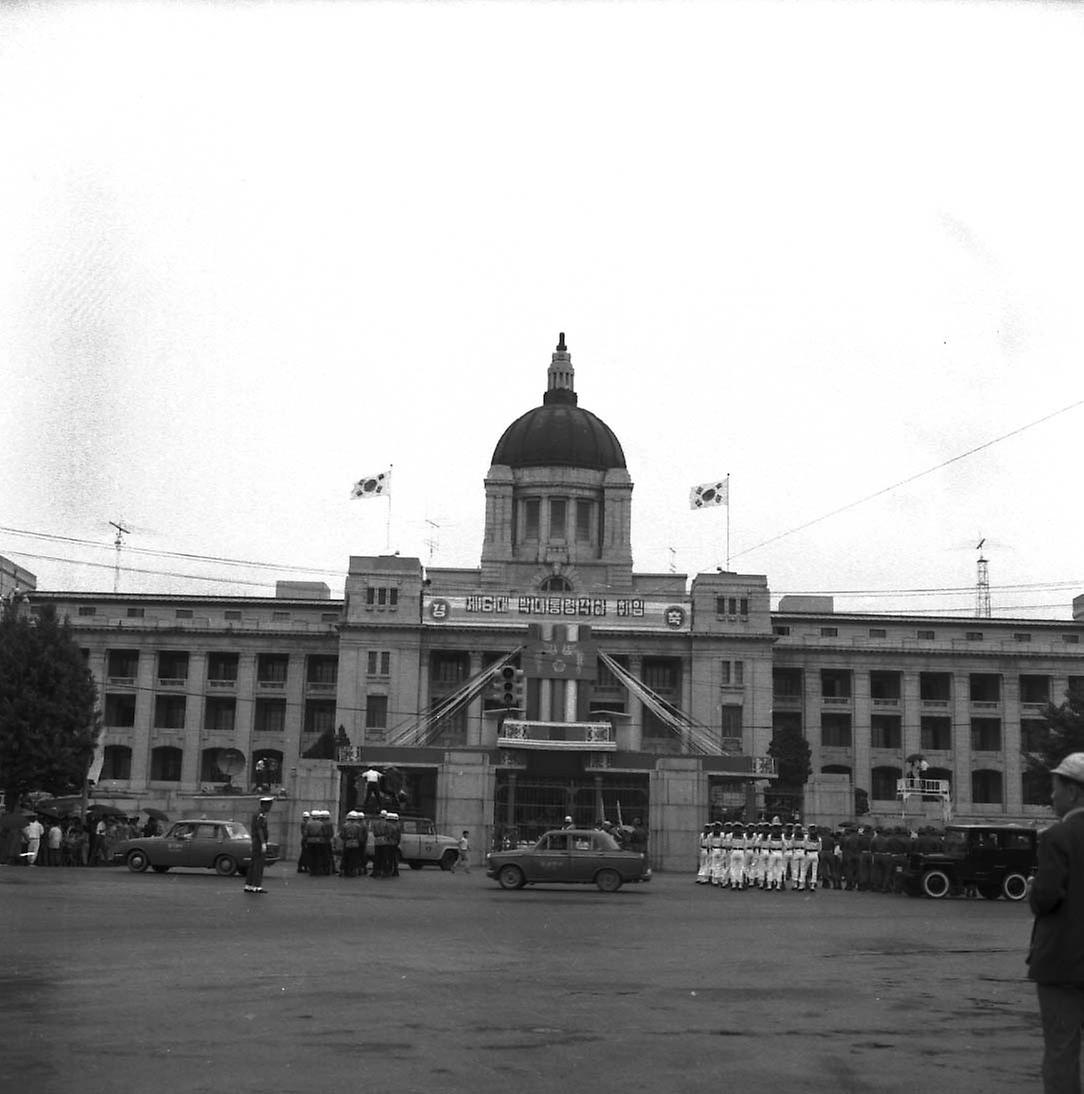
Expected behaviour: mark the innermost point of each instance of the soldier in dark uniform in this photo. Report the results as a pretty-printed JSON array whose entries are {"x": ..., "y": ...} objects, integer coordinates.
[
  {"x": 865, "y": 858},
  {"x": 350, "y": 834},
  {"x": 850, "y": 858},
  {"x": 260, "y": 839},
  {"x": 379, "y": 832},
  {"x": 879, "y": 861},
  {"x": 899, "y": 843},
  {"x": 317, "y": 851},
  {"x": 394, "y": 834}
]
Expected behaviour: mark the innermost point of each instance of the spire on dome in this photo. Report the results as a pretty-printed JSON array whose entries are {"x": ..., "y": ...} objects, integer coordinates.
[{"x": 561, "y": 376}]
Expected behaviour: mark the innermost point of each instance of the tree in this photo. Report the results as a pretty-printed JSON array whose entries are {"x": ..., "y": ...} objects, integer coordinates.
[
  {"x": 49, "y": 723},
  {"x": 792, "y": 754},
  {"x": 1062, "y": 734}
]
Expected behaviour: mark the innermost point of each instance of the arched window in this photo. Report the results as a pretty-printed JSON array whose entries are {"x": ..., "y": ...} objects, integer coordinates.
[
  {"x": 986, "y": 787},
  {"x": 166, "y": 764},
  {"x": 556, "y": 584},
  {"x": 117, "y": 763},
  {"x": 883, "y": 783},
  {"x": 266, "y": 768}
]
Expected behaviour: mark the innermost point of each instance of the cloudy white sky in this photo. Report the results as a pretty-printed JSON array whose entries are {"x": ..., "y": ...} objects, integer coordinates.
[{"x": 254, "y": 251}]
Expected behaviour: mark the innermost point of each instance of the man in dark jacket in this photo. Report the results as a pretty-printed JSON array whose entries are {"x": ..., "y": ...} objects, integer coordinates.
[{"x": 1056, "y": 956}]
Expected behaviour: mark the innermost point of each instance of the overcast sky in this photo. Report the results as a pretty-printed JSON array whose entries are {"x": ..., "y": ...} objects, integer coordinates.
[{"x": 252, "y": 252}]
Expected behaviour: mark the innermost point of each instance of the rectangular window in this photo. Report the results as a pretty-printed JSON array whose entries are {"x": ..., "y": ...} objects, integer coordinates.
[
  {"x": 220, "y": 715},
  {"x": 269, "y": 716},
  {"x": 271, "y": 668},
  {"x": 730, "y": 720},
  {"x": 135, "y": 613},
  {"x": 781, "y": 630},
  {"x": 232, "y": 615},
  {"x": 935, "y": 687},
  {"x": 973, "y": 636},
  {"x": 743, "y": 605},
  {"x": 319, "y": 715},
  {"x": 329, "y": 617},
  {"x": 885, "y": 731},
  {"x": 787, "y": 683},
  {"x": 829, "y": 632},
  {"x": 739, "y": 673},
  {"x": 381, "y": 596},
  {"x": 836, "y": 730},
  {"x": 370, "y": 596},
  {"x": 1033, "y": 735},
  {"x": 169, "y": 711},
  {"x": 89, "y": 609},
  {"x": 184, "y": 613},
  {"x": 985, "y": 687},
  {"x": 986, "y": 734},
  {"x": 1021, "y": 637},
  {"x": 222, "y": 667},
  {"x": 173, "y": 665},
  {"x": 835, "y": 683},
  {"x": 1073, "y": 639},
  {"x": 720, "y": 605},
  {"x": 379, "y": 662},
  {"x": 323, "y": 670},
  {"x": 884, "y": 686},
  {"x": 120, "y": 710},
  {"x": 1034, "y": 689},
  {"x": 584, "y": 512},
  {"x": 731, "y": 605},
  {"x": 558, "y": 514},
  {"x": 725, "y": 673},
  {"x": 660, "y": 675},
  {"x": 117, "y": 763},
  {"x": 166, "y": 765},
  {"x": 925, "y": 636},
  {"x": 531, "y": 512},
  {"x": 936, "y": 733},
  {"x": 878, "y": 632},
  {"x": 376, "y": 711},
  {"x": 280, "y": 616},
  {"x": 393, "y": 597},
  {"x": 123, "y": 664}
]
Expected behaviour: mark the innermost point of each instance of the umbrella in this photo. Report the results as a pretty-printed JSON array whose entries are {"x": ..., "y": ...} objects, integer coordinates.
[
  {"x": 13, "y": 820},
  {"x": 106, "y": 810},
  {"x": 60, "y": 807},
  {"x": 154, "y": 814}
]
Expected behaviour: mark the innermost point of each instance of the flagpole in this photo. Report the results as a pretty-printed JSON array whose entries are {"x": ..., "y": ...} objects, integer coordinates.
[
  {"x": 387, "y": 527},
  {"x": 728, "y": 521}
]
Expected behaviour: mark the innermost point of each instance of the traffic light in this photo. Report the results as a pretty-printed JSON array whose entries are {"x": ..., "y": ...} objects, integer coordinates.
[{"x": 508, "y": 686}]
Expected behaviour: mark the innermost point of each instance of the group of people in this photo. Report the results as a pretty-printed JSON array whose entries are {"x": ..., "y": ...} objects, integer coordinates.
[
  {"x": 325, "y": 851},
  {"x": 768, "y": 855},
  {"x": 46, "y": 840}
]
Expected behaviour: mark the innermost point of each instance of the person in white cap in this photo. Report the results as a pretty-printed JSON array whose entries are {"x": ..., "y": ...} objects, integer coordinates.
[
  {"x": 1056, "y": 954},
  {"x": 568, "y": 823},
  {"x": 259, "y": 833}
]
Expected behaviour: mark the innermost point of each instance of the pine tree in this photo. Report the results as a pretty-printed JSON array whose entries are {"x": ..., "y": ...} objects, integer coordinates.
[
  {"x": 1063, "y": 733},
  {"x": 49, "y": 723}
]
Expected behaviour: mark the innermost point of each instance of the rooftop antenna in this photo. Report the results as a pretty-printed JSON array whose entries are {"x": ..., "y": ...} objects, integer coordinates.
[
  {"x": 673, "y": 556},
  {"x": 982, "y": 589},
  {"x": 432, "y": 541},
  {"x": 122, "y": 531}
]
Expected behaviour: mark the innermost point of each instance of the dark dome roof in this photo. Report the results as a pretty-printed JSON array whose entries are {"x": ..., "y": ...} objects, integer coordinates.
[{"x": 559, "y": 433}]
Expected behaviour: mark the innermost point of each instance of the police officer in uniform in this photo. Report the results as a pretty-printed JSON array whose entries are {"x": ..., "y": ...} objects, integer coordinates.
[
  {"x": 303, "y": 854},
  {"x": 350, "y": 835},
  {"x": 260, "y": 839}
]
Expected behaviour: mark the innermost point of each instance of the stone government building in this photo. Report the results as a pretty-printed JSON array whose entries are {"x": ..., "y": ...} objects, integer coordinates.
[{"x": 635, "y": 694}]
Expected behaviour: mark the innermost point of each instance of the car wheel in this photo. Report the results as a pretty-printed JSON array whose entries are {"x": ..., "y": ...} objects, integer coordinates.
[
  {"x": 511, "y": 877},
  {"x": 449, "y": 859},
  {"x": 936, "y": 884},
  {"x": 1014, "y": 886},
  {"x": 990, "y": 892},
  {"x": 160, "y": 869},
  {"x": 225, "y": 866},
  {"x": 137, "y": 861},
  {"x": 609, "y": 881},
  {"x": 415, "y": 865}
]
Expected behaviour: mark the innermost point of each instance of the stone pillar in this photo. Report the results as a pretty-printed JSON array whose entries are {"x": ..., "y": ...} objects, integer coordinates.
[
  {"x": 961, "y": 742},
  {"x": 475, "y": 727},
  {"x": 1011, "y": 792},
  {"x": 861, "y": 705},
  {"x": 195, "y": 691},
  {"x": 146, "y": 688},
  {"x": 911, "y": 710}
]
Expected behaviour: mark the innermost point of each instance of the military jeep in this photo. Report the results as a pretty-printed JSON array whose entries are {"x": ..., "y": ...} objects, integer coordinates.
[{"x": 991, "y": 859}]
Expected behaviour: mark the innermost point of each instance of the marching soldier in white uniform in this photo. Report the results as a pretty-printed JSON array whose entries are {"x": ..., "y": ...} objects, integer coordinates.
[
  {"x": 811, "y": 846},
  {"x": 703, "y": 873},
  {"x": 737, "y": 857},
  {"x": 715, "y": 847},
  {"x": 775, "y": 856}
]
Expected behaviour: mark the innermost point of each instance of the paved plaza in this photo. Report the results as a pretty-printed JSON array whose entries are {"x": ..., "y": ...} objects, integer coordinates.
[{"x": 435, "y": 982}]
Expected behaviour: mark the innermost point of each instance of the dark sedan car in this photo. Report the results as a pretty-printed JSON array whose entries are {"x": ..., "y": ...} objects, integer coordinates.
[
  {"x": 577, "y": 856},
  {"x": 994, "y": 859},
  {"x": 222, "y": 846}
]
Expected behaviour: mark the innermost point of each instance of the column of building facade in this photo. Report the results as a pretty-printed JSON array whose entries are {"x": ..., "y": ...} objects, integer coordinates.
[
  {"x": 961, "y": 741},
  {"x": 686, "y": 698},
  {"x": 243, "y": 712},
  {"x": 910, "y": 713},
  {"x": 296, "y": 675},
  {"x": 635, "y": 721},
  {"x": 424, "y": 696},
  {"x": 146, "y": 681},
  {"x": 1011, "y": 790},
  {"x": 475, "y": 719},
  {"x": 861, "y": 729},
  {"x": 811, "y": 720},
  {"x": 195, "y": 691}
]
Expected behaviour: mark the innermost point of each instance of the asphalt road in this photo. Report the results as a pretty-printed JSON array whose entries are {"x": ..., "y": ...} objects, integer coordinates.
[{"x": 159, "y": 984}]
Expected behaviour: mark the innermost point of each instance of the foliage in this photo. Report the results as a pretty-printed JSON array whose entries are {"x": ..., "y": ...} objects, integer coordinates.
[
  {"x": 791, "y": 753},
  {"x": 861, "y": 802},
  {"x": 1063, "y": 733},
  {"x": 49, "y": 723}
]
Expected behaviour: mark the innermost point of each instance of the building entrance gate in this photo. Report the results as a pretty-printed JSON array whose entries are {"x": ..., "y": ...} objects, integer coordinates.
[{"x": 525, "y": 807}]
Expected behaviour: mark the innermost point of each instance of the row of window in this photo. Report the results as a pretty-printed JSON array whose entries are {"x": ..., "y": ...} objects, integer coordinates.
[
  {"x": 923, "y": 635},
  {"x": 271, "y": 668},
  {"x": 166, "y": 762},
  {"x": 935, "y": 732},
  {"x": 558, "y": 527},
  {"x": 887, "y": 685},
  {"x": 230, "y": 615},
  {"x": 987, "y": 785}
]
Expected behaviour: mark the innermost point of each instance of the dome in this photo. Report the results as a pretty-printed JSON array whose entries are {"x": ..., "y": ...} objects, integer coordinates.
[
  {"x": 562, "y": 435},
  {"x": 559, "y": 433}
]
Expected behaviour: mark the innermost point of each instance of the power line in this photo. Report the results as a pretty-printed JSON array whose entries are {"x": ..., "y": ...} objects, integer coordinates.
[{"x": 904, "y": 482}]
